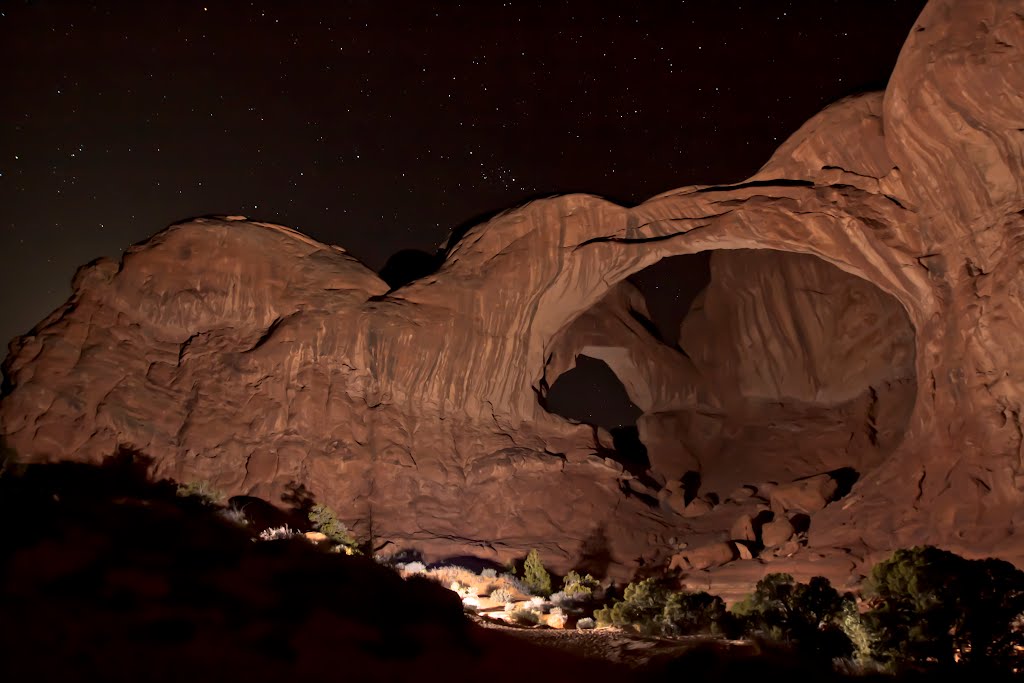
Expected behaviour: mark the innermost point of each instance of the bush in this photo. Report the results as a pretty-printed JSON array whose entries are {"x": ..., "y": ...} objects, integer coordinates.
[
  {"x": 861, "y": 637},
  {"x": 687, "y": 614},
  {"x": 934, "y": 608},
  {"x": 641, "y": 607},
  {"x": 535, "y": 576},
  {"x": 804, "y": 615},
  {"x": 326, "y": 522},
  {"x": 203, "y": 491},
  {"x": 585, "y": 624},
  {"x": 525, "y": 617},
  {"x": 279, "y": 533},
  {"x": 489, "y": 574},
  {"x": 416, "y": 567},
  {"x": 501, "y": 595},
  {"x": 576, "y": 585},
  {"x": 515, "y": 584},
  {"x": 651, "y": 608},
  {"x": 560, "y": 599},
  {"x": 233, "y": 515}
]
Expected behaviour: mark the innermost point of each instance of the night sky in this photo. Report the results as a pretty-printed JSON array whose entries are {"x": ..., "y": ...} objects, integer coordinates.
[{"x": 380, "y": 126}]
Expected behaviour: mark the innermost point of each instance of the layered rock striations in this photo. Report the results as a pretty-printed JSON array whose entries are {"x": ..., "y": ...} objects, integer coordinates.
[{"x": 251, "y": 356}]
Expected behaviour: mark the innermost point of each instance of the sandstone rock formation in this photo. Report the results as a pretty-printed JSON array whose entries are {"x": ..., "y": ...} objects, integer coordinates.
[{"x": 879, "y": 332}]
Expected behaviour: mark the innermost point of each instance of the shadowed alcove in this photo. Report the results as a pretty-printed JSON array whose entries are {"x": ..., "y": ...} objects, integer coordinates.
[{"x": 746, "y": 366}]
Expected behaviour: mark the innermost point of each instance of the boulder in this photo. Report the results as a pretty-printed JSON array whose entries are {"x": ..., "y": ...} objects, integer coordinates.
[
  {"x": 806, "y": 495},
  {"x": 744, "y": 551},
  {"x": 704, "y": 557},
  {"x": 743, "y": 529},
  {"x": 741, "y": 493},
  {"x": 557, "y": 620},
  {"x": 676, "y": 502},
  {"x": 776, "y": 532},
  {"x": 697, "y": 508}
]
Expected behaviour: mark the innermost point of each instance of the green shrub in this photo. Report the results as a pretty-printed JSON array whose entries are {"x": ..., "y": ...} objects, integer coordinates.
[
  {"x": 804, "y": 615},
  {"x": 640, "y": 609},
  {"x": 934, "y": 608},
  {"x": 687, "y": 614},
  {"x": 535, "y": 576},
  {"x": 651, "y": 608},
  {"x": 326, "y": 522},
  {"x": 574, "y": 585},
  {"x": 857, "y": 630},
  {"x": 202, "y": 490}
]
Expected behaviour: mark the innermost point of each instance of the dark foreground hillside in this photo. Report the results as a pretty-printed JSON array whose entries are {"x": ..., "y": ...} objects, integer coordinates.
[{"x": 106, "y": 576}]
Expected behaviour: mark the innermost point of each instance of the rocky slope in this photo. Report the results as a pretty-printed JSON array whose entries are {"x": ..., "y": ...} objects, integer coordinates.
[{"x": 251, "y": 356}]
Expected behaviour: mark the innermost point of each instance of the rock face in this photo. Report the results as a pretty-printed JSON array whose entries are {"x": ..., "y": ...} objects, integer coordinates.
[
  {"x": 879, "y": 333},
  {"x": 775, "y": 325}
]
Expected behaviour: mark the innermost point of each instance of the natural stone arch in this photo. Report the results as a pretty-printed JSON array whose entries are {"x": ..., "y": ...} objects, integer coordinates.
[
  {"x": 270, "y": 359},
  {"x": 613, "y": 257}
]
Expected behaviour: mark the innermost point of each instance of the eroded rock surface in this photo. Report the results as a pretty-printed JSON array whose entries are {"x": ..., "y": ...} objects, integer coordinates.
[{"x": 251, "y": 356}]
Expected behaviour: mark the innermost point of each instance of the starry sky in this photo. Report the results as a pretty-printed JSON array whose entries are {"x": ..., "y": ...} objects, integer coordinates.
[{"x": 381, "y": 126}]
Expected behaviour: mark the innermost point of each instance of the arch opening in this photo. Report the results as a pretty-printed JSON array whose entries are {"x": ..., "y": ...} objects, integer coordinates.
[
  {"x": 591, "y": 393},
  {"x": 749, "y": 366}
]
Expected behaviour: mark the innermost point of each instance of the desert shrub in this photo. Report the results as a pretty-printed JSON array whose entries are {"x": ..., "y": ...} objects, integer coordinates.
[
  {"x": 934, "y": 608},
  {"x": 326, "y": 522},
  {"x": 575, "y": 585},
  {"x": 515, "y": 584},
  {"x": 804, "y": 615},
  {"x": 448, "y": 574},
  {"x": 501, "y": 595},
  {"x": 234, "y": 516},
  {"x": 535, "y": 576},
  {"x": 641, "y": 608},
  {"x": 862, "y": 639},
  {"x": 585, "y": 624},
  {"x": 692, "y": 613},
  {"x": 525, "y": 617},
  {"x": 560, "y": 599},
  {"x": 651, "y": 608},
  {"x": 489, "y": 574},
  {"x": 202, "y": 491},
  {"x": 413, "y": 567},
  {"x": 278, "y": 533}
]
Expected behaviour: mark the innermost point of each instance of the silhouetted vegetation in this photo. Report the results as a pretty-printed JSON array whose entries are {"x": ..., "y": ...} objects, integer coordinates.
[
  {"x": 203, "y": 491},
  {"x": 650, "y": 607},
  {"x": 108, "y": 576},
  {"x": 805, "y": 616},
  {"x": 933, "y": 609}
]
